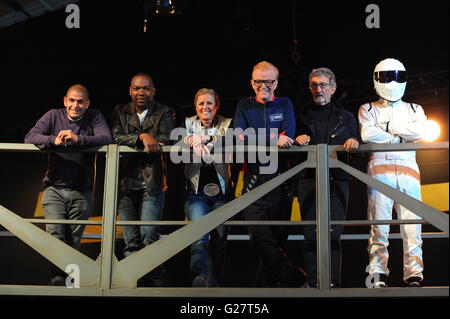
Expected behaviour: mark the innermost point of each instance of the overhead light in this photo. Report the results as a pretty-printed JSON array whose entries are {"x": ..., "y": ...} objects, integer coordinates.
[
  {"x": 158, "y": 8},
  {"x": 164, "y": 7}
]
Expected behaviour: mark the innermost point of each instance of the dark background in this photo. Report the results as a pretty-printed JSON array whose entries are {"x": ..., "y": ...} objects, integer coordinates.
[{"x": 215, "y": 44}]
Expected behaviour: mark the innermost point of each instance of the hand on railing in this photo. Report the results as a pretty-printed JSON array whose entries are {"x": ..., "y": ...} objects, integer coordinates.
[
  {"x": 151, "y": 144},
  {"x": 285, "y": 141},
  {"x": 303, "y": 140},
  {"x": 351, "y": 144},
  {"x": 197, "y": 142},
  {"x": 66, "y": 137}
]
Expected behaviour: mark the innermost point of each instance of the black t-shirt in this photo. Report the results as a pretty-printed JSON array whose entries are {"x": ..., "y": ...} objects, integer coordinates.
[
  {"x": 321, "y": 116},
  {"x": 208, "y": 175}
]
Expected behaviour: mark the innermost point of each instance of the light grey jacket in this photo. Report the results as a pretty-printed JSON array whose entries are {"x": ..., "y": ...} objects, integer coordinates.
[{"x": 192, "y": 170}]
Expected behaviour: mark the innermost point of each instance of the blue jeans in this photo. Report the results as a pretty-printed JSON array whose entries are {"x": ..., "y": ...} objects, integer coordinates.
[
  {"x": 140, "y": 206},
  {"x": 65, "y": 204},
  {"x": 69, "y": 205},
  {"x": 208, "y": 252}
]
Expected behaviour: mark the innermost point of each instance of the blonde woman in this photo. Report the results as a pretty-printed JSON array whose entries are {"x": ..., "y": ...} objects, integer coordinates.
[{"x": 208, "y": 187}]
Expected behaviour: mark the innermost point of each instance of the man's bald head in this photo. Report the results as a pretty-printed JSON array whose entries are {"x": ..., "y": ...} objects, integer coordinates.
[
  {"x": 76, "y": 101},
  {"x": 79, "y": 88}
]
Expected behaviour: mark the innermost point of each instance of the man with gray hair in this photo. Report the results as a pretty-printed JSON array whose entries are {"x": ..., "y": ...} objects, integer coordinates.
[{"x": 324, "y": 121}]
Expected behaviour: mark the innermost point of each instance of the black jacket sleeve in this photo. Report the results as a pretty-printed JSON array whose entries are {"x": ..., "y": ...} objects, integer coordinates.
[{"x": 118, "y": 129}]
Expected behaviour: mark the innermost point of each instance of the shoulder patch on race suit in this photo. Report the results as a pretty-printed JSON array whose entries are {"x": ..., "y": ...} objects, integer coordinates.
[{"x": 277, "y": 117}]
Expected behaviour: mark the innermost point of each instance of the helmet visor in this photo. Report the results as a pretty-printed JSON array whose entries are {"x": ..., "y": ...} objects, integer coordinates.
[{"x": 389, "y": 76}]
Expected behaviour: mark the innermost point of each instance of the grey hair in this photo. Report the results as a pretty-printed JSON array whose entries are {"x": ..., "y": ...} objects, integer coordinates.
[{"x": 324, "y": 72}]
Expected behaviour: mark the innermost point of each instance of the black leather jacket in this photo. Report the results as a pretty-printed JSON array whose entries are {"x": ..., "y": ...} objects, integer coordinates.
[
  {"x": 342, "y": 126},
  {"x": 146, "y": 170}
]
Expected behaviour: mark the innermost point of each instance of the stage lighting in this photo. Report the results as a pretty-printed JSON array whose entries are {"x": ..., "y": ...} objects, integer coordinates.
[
  {"x": 164, "y": 7},
  {"x": 154, "y": 8},
  {"x": 432, "y": 131}
]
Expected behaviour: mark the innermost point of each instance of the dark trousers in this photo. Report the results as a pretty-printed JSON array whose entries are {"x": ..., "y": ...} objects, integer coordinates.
[
  {"x": 268, "y": 241},
  {"x": 306, "y": 192}
]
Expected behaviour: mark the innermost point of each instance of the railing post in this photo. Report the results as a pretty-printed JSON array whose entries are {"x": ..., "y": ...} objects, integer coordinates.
[
  {"x": 109, "y": 215},
  {"x": 323, "y": 217}
]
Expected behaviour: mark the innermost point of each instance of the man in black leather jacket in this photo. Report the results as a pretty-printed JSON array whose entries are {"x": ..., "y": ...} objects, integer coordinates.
[
  {"x": 324, "y": 121},
  {"x": 145, "y": 124}
]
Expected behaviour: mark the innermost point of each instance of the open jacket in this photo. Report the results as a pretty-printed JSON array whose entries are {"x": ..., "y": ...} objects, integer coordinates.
[
  {"x": 341, "y": 127},
  {"x": 147, "y": 170},
  {"x": 192, "y": 170}
]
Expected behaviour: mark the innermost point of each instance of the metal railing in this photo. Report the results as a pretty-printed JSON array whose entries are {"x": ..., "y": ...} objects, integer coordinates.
[{"x": 108, "y": 276}]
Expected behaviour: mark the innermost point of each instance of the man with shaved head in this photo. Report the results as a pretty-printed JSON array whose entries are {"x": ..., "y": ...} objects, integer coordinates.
[{"x": 68, "y": 182}]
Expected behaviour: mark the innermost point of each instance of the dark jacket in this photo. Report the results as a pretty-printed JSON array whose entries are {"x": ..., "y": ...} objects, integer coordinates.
[
  {"x": 147, "y": 170},
  {"x": 341, "y": 126}
]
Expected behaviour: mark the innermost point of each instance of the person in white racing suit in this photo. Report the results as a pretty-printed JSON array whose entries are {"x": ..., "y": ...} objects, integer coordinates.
[{"x": 391, "y": 120}]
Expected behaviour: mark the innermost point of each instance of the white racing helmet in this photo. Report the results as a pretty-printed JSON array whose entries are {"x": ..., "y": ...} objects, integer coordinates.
[{"x": 390, "y": 79}]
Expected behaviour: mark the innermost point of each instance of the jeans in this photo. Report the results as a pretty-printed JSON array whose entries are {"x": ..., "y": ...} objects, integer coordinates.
[
  {"x": 306, "y": 192},
  {"x": 69, "y": 205},
  {"x": 65, "y": 204},
  {"x": 208, "y": 252},
  {"x": 140, "y": 206}
]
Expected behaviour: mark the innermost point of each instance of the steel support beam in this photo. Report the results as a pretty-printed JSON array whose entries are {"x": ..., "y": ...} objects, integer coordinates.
[
  {"x": 323, "y": 217},
  {"x": 130, "y": 269},
  {"x": 108, "y": 259},
  {"x": 50, "y": 247},
  {"x": 108, "y": 277},
  {"x": 437, "y": 218}
]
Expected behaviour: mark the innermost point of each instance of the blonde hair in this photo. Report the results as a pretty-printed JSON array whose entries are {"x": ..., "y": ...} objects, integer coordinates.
[
  {"x": 207, "y": 91},
  {"x": 264, "y": 65}
]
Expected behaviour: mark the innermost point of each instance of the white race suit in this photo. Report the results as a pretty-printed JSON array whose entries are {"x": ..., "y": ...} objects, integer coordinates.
[{"x": 393, "y": 122}]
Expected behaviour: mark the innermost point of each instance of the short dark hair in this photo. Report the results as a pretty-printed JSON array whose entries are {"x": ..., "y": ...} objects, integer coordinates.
[{"x": 144, "y": 74}]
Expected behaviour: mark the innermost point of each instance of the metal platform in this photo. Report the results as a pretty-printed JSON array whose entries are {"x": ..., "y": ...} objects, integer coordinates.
[{"x": 108, "y": 277}]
